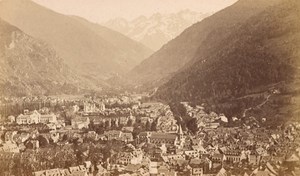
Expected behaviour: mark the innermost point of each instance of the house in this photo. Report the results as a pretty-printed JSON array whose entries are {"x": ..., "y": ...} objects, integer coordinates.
[
  {"x": 92, "y": 135},
  {"x": 127, "y": 129},
  {"x": 160, "y": 169},
  {"x": 123, "y": 120},
  {"x": 292, "y": 159},
  {"x": 144, "y": 120},
  {"x": 9, "y": 136},
  {"x": 200, "y": 149},
  {"x": 113, "y": 135},
  {"x": 80, "y": 122},
  {"x": 9, "y": 147},
  {"x": 132, "y": 168},
  {"x": 126, "y": 137},
  {"x": 102, "y": 171},
  {"x": 144, "y": 137},
  {"x": 163, "y": 138},
  {"x": 253, "y": 159},
  {"x": 78, "y": 171},
  {"x": 101, "y": 106},
  {"x": 74, "y": 171},
  {"x": 89, "y": 107},
  {"x": 124, "y": 158},
  {"x": 54, "y": 136},
  {"x": 28, "y": 117},
  {"x": 144, "y": 172},
  {"x": 217, "y": 158},
  {"x": 11, "y": 119},
  {"x": 21, "y": 138},
  {"x": 233, "y": 156},
  {"x": 191, "y": 153},
  {"x": 212, "y": 125},
  {"x": 135, "y": 157},
  {"x": 75, "y": 108},
  {"x": 48, "y": 118},
  {"x": 153, "y": 168},
  {"x": 196, "y": 170},
  {"x": 35, "y": 117},
  {"x": 222, "y": 172}
]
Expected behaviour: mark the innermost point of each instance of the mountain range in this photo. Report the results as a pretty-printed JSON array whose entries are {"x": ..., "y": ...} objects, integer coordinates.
[
  {"x": 243, "y": 57},
  {"x": 94, "y": 51},
  {"x": 158, "y": 29},
  {"x": 204, "y": 36}
]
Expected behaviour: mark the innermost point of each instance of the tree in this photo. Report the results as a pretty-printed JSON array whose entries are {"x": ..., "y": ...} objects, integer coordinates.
[
  {"x": 153, "y": 126},
  {"x": 107, "y": 125},
  {"x": 129, "y": 122},
  {"x": 192, "y": 125},
  {"x": 43, "y": 142},
  {"x": 148, "y": 126}
]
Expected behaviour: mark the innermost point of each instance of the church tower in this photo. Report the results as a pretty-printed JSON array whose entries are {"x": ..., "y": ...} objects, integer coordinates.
[{"x": 180, "y": 133}]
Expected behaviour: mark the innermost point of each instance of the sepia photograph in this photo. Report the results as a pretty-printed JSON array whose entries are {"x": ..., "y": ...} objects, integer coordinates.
[{"x": 149, "y": 87}]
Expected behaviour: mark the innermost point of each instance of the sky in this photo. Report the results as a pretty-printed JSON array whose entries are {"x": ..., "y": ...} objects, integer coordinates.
[{"x": 104, "y": 10}]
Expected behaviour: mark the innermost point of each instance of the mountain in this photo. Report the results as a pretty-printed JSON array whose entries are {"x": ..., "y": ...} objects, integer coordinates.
[
  {"x": 163, "y": 64},
  {"x": 135, "y": 52},
  {"x": 250, "y": 68},
  {"x": 158, "y": 29},
  {"x": 93, "y": 50},
  {"x": 28, "y": 66}
]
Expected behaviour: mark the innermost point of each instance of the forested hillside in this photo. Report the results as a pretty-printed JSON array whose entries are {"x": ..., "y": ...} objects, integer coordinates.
[
  {"x": 258, "y": 61},
  {"x": 204, "y": 36},
  {"x": 29, "y": 66}
]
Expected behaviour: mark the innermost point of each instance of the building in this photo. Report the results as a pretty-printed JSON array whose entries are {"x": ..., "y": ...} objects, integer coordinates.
[
  {"x": 123, "y": 120},
  {"x": 192, "y": 153},
  {"x": 163, "y": 138},
  {"x": 118, "y": 135},
  {"x": 233, "y": 156},
  {"x": 11, "y": 119},
  {"x": 48, "y": 118},
  {"x": 28, "y": 117},
  {"x": 35, "y": 117},
  {"x": 75, "y": 108},
  {"x": 126, "y": 137},
  {"x": 196, "y": 170},
  {"x": 80, "y": 170},
  {"x": 10, "y": 148},
  {"x": 80, "y": 122},
  {"x": 144, "y": 137},
  {"x": 101, "y": 107},
  {"x": 160, "y": 169},
  {"x": 89, "y": 107},
  {"x": 113, "y": 135},
  {"x": 212, "y": 125},
  {"x": 125, "y": 158}
]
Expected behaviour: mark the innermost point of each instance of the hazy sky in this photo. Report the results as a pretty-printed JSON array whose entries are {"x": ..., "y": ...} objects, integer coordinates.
[{"x": 103, "y": 10}]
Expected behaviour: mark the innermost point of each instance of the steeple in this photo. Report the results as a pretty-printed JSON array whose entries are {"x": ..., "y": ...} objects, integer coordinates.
[{"x": 180, "y": 133}]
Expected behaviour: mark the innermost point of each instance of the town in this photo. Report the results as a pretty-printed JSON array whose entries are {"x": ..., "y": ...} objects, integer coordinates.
[{"x": 126, "y": 135}]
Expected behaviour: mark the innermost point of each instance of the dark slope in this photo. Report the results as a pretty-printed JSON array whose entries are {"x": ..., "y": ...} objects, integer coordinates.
[
  {"x": 177, "y": 53},
  {"x": 80, "y": 46},
  {"x": 243, "y": 69},
  {"x": 30, "y": 67}
]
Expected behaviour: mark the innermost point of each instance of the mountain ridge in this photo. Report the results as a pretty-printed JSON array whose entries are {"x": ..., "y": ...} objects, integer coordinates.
[
  {"x": 81, "y": 47},
  {"x": 28, "y": 66},
  {"x": 156, "y": 30},
  {"x": 180, "y": 52},
  {"x": 258, "y": 59}
]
